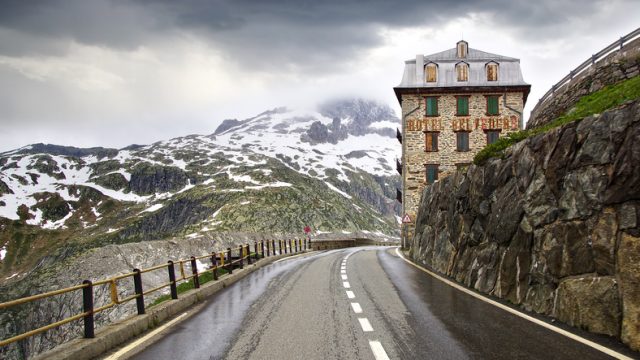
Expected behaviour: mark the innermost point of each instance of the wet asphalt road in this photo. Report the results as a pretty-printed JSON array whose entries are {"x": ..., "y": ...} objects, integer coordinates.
[{"x": 299, "y": 309}]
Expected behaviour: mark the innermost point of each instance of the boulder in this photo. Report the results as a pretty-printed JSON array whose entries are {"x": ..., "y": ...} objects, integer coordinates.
[
  {"x": 591, "y": 303},
  {"x": 628, "y": 257}
]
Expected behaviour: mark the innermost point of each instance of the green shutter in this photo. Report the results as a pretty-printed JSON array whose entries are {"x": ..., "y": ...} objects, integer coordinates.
[
  {"x": 492, "y": 105},
  {"x": 463, "y": 106},
  {"x": 462, "y": 141},
  {"x": 432, "y": 173},
  {"x": 432, "y": 106}
]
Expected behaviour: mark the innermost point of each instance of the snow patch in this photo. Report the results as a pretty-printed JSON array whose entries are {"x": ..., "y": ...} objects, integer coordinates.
[
  {"x": 12, "y": 276},
  {"x": 275, "y": 184},
  {"x": 3, "y": 252},
  {"x": 37, "y": 219},
  {"x": 153, "y": 208},
  {"x": 52, "y": 225},
  {"x": 338, "y": 190},
  {"x": 384, "y": 124}
]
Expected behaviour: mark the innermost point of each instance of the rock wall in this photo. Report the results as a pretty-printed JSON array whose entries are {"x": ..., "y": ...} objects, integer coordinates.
[
  {"x": 616, "y": 67},
  {"x": 554, "y": 226}
]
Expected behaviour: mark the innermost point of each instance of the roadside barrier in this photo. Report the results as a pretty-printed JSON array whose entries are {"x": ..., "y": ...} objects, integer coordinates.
[
  {"x": 227, "y": 260},
  {"x": 615, "y": 46}
]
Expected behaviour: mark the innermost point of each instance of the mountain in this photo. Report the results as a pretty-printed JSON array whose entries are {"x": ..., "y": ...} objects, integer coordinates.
[{"x": 331, "y": 168}]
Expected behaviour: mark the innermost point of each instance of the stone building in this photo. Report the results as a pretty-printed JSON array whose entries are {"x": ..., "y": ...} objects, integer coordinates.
[{"x": 453, "y": 103}]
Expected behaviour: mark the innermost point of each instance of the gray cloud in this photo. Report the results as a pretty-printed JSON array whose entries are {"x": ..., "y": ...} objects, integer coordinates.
[
  {"x": 267, "y": 34},
  {"x": 137, "y": 74}
]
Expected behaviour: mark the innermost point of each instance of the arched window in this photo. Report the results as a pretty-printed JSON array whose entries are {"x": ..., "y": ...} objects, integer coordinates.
[
  {"x": 492, "y": 71},
  {"x": 462, "y": 70},
  {"x": 431, "y": 72}
]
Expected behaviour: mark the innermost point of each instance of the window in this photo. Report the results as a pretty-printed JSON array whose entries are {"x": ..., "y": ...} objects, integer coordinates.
[
  {"x": 462, "y": 141},
  {"x": 462, "y": 105},
  {"x": 462, "y": 70},
  {"x": 432, "y": 173},
  {"x": 431, "y": 72},
  {"x": 492, "y": 136},
  {"x": 492, "y": 105},
  {"x": 432, "y": 106},
  {"x": 492, "y": 71},
  {"x": 431, "y": 141},
  {"x": 462, "y": 47}
]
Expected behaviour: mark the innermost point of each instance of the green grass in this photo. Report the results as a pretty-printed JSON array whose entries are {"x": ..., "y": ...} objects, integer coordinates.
[
  {"x": 188, "y": 285},
  {"x": 203, "y": 278},
  {"x": 604, "y": 99}
]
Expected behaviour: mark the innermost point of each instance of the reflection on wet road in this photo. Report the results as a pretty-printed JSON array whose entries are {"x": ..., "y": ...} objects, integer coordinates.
[{"x": 357, "y": 303}]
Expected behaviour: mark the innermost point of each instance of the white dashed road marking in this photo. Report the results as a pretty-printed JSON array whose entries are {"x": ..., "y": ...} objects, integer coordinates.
[
  {"x": 366, "y": 325},
  {"x": 378, "y": 350},
  {"x": 356, "y": 308},
  {"x": 376, "y": 347}
]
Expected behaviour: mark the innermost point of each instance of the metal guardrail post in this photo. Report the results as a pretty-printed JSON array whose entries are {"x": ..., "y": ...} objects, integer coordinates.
[
  {"x": 172, "y": 280},
  {"x": 137, "y": 284},
  {"x": 87, "y": 307},
  {"x": 230, "y": 266},
  {"x": 214, "y": 264},
  {"x": 248, "y": 253},
  {"x": 194, "y": 271}
]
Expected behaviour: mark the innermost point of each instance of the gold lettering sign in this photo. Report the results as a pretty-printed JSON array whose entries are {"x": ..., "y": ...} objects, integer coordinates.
[
  {"x": 465, "y": 124},
  {"x": 425, "y": 125},
  {"x": 461, "y": 124},
  {"x": 497, "y": 123}
]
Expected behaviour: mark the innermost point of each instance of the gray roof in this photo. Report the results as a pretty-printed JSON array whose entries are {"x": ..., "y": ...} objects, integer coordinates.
[{"x": 509, "y": 73}]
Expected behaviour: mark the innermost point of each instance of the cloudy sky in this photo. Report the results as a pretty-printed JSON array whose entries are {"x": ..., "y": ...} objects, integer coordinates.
[{"x": 117, "y": 72}]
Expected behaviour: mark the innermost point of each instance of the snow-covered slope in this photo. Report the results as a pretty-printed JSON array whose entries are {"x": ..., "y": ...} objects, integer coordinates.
[{"x": 279, "y": 171}]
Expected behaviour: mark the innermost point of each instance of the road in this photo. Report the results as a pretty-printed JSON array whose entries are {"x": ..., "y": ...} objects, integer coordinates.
[{"x": 358, "y": 303}]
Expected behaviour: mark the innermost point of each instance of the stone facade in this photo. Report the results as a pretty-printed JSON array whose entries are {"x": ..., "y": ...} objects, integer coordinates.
[
  {"x": 446, "y": 76},
  {"x": 447, "y": 124}
]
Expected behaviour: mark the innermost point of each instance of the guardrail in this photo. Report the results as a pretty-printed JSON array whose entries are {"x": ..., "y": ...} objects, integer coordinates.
[
  {"x": 331, "y": 244},
  {"x": 616, "y": 45},
  {"x": 221, "y": 260}
]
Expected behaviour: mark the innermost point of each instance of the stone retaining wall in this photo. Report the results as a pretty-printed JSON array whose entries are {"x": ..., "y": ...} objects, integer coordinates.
[{"x": 553, "y": 227}]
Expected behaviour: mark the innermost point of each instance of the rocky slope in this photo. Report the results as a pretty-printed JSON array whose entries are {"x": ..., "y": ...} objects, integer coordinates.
[
  {"x": 67, "y": 214},
  {"x": 554, "y": 226}
]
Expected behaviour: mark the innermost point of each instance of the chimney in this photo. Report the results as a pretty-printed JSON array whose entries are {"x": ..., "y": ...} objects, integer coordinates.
[{"x": 419, "y": 69}]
